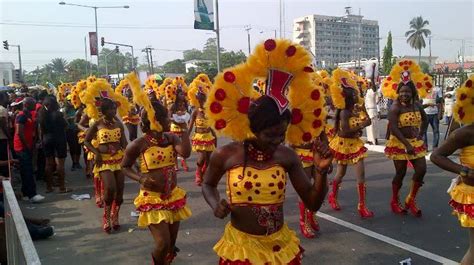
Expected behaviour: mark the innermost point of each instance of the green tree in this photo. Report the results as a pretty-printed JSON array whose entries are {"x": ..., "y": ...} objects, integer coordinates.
[
  {"x": 176, "y": 66},
  {"x": 387, "y": 62},
  {"x": 117, "y": 62},
  {"x": 417, "y": 33},
  {"x": 78, "y": 69},
  {"x": 229, "y": 59},
  {"x": 425, "y": 67},
  {"x": 193, "y": 54}
]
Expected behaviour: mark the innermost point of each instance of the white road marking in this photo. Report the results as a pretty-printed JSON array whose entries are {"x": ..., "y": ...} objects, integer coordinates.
[{"x": 387, "y": 240}]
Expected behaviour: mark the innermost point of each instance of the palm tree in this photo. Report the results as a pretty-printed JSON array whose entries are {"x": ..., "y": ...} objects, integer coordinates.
[{"x": 417, "y": 33}]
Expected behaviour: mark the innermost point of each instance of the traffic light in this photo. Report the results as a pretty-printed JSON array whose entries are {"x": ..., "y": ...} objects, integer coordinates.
[
  {"x": 102, "y": 41},
  {"x": 117, "y": 49},
  {"x": 5, "y": 45}
]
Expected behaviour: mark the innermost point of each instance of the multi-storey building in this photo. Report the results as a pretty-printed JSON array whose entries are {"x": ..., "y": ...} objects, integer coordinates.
[{"x": 333, "y": 39}]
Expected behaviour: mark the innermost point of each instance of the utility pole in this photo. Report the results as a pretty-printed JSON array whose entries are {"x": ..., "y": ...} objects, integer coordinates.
[
  {"x": 149, "y": 58},
  {"x": 280, "y": 9},
  {"x": 218, "y": 38},
  {"x": 248, "y": 28}
]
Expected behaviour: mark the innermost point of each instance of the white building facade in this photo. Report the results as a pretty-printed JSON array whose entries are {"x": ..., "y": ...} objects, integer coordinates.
[
  {"x": 335, "y": 39},
  {"x": 6, "y": 73}
]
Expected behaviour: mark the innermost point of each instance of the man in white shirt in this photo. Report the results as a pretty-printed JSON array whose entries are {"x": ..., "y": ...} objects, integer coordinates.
[
  {"x": 432, "y": 106},
  {"x": 371, "y": 98},
  {"x": 449, "y": 98}
]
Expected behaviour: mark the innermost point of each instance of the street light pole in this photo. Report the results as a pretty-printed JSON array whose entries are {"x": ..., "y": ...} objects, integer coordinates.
[
  {"x": 96, "y": 27},
  {"x": 96, "y": 38},
  {"x": 248, "y": 28}
]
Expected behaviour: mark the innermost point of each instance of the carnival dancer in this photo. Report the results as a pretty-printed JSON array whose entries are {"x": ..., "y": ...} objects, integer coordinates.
[
  {"x": 76, "y": 102},
  {"x": 256, "y": 164},
  {"x": 204, "y": 140},
  {"x": 462, "y": 187},
  {"x": 407, "y": 123},
  {"x": 109, "y": 132},
  {"x": 132, "y": 119},
  {"x": 160, "y": 203},
  {"x": 179, "y": 117},
  {"x": 307, "y": 221},
  {"x": 347, "y": 146}
]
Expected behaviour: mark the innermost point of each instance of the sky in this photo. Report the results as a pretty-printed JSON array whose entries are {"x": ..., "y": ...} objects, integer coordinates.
[{"x": 54, "y": 30}]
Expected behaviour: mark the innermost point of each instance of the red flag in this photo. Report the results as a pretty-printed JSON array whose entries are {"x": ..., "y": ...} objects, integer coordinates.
[{"x": 93, "y": 43}]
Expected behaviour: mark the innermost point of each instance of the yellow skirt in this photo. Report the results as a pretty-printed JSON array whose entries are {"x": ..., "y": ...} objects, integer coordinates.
[
  {"x": 110, "y": 162},
  {"x": 306, "y": 156},
  {"x": 347, "y": 151},
  {"x": 462, "y": 202},
  {"x": 281, "y": 247},
  {"x": 134, "y": 119},
  {"x": 203, "y": 142},
  {"x": 395, "y": 150},
  {"x": 154, "y": 208},
  {"x": 175, "y": 129},
  {"x": 330, "y": 131}
]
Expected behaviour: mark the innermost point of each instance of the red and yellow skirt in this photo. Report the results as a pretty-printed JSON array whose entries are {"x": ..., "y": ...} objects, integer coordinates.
[
  {"x": 462, "y": 202},
  {"x": 203, "y": 142},
  {"x": 175, "y": 129},
  {"x": 133, "y": 119},
  {"x": 396, "y": 150},
  {"x": 154, "y": 208},
  {"x": 347, "y": 151},
  {"x": 306, "y": 156},
  {"x": 239, "y": 248},
  {"x": 110, "y": 162},
  {"x": 330, "y": 131}
]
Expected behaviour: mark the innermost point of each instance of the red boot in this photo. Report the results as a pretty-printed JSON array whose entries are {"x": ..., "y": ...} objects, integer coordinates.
[
  {"x": 313, "y": 222},
  {"x": 106, "y": 225},
  {"x": 98, "y": 192},
  {"x": 198, "y": 176},
  {"x": 395, "y": 202},
  {"x": 410, "y": 201},
  {"x": 184, "y": 165},
  {"x": 363, "y": 211},
  {"x": 114, "y": 216},
  {"x": 333, "y": 196},
  {"x": 304, "y": 224}
]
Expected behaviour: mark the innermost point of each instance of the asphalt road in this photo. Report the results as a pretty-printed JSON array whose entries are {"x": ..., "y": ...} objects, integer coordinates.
[{"x": 80, "y": 240}]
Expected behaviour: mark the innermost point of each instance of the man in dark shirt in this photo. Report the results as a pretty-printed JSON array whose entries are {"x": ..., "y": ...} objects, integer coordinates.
[{"x": 23, "y": 142}]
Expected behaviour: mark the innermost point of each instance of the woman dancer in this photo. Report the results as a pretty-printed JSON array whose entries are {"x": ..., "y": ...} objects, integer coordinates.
[
  {"x": 109, "y": 132},
  {"x": 256, "y": 165},
  {"x": 204, "y": 139},
  {"x": 347, "y": 146},
  {"x": 462, "y": 189},
  {"x": 407, "y": 124},
  {"x": 161, "y": 203}
]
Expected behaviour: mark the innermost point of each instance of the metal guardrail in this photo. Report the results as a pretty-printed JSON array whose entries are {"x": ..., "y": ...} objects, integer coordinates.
[{"x": 20, "y": 247}]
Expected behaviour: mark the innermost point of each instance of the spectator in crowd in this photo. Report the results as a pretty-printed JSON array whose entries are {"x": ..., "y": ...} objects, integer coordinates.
[
  {"x": 448, "y": 104},
  {"x": 40, "y": 158},
  {"x": 53, "y": 138},
  {"x": 5, "y": 137},
  {"x": 433, "y": 106},
  {"x": 71, "y": 135},
  {"x": 24, "y": 138},
  {"x": 371, "y": 99}
]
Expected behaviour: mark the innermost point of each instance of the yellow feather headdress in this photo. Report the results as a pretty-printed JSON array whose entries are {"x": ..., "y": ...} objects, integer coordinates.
[
  {"x": 64, "y": 89},
  {"x": 230, "y": 97},
  {"x": 464, "y": 106},
  {"x": 161, "y": 89},
  {"x": 77, "y": 92},
  {"x": 141, "y": 98},
  {"x": 179, "y": 83},
  {"x": 120, "y": 89},
  {"x": 102, "y": 89},
  {"x": 404, "y": 71},
  {"x": 194, "y": 88},
  {"x": 341, "y": 79}
]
